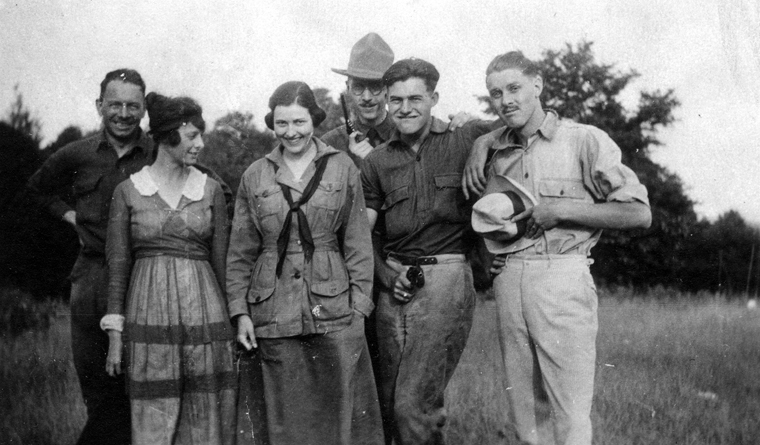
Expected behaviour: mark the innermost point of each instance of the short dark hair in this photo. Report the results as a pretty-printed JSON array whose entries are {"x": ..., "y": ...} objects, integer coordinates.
[
  {"x": 125, "y": 75},
  {"x": 513, "y": 60},
  {"x": 295, "y": 92},
  {"x": 408, "y": 68},
  {"x": 167, "y": 114}
]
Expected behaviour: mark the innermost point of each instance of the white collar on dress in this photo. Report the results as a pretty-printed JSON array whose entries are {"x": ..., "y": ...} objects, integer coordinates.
[{"x": 193, "y": 190}]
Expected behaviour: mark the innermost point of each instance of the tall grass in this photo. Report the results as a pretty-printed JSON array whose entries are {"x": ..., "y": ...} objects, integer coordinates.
[
  {"x": 40, "y": 402},
  {"x": 671, "y": 369}
]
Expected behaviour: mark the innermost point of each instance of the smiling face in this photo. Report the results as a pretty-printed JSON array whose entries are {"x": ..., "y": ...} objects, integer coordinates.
[
  {"x": 122, "y": 107},
  {"x": 369, "y": 100},
  {"x": 293, "y": 127},
  {"x": 515, "y": 97},
  {"x": 410, "y": 104},
  {"x": 189, "y": 147}
]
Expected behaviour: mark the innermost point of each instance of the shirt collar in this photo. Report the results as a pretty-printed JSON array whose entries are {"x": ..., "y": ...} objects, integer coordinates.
[
  {"x": 547, "y": 130},
  {"x": 193, "y": 188},
  {"x": 436, "y": 127},
  {"x": 144, "y": 142},
  {"x": 384, "y": 128},
  {"x": 322, "y": 150}
]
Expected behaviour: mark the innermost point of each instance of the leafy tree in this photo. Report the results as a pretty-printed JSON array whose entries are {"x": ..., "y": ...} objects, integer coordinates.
[
  {"x": 21, "y": 119},
  {"x": 233, "y": 145},
  {"x": 69, "y": 134},
  {"x": 580, "y": 88},
  {"x": 331, "y": 107},
  {"x": 36, "y": 251}
]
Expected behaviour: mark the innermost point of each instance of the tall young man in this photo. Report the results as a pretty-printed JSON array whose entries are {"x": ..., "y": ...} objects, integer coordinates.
[
  {"x": 546, "y": 298},
  {"x": 423, "y": 318}
]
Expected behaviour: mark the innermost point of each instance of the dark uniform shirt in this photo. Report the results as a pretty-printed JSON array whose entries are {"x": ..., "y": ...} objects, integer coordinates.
[
  {"x": 92, "y": 169},
  {"x": 420, "y": 193},
  {"x": 338, "y": 137}
]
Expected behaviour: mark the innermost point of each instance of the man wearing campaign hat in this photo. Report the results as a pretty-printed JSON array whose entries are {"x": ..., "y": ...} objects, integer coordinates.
[
  {"x": 546, "y": 298},
  {"x": 366, "y": 100}
]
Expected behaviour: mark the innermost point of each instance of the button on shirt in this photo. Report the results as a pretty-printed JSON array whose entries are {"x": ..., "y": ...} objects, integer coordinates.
[
  {"x": 565, "y": 160},
  {"x": 93, "y": 169},
  {"x": 420, "y": 193}
]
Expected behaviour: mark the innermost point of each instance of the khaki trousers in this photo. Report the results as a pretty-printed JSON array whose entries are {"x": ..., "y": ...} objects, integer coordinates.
[{"x": 547, "y": 308}]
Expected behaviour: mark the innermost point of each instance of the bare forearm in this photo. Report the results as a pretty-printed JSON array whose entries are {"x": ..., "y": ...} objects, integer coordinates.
[{"x": 607, "y": 215}]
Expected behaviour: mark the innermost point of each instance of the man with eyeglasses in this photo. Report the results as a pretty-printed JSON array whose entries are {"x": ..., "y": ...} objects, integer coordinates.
[
  {"x": 93, "y": 167},
  {"x": 366, "y": 100}
]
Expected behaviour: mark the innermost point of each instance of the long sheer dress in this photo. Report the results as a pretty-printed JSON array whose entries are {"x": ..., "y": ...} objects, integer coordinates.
[{"x": 166, "y": 275}]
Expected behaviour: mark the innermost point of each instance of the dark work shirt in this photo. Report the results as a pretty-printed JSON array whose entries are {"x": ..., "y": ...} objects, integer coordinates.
[
  {"x": 338, "y": 137},
  {"x": 420, "y": 194},
  {"x": 93, "y": 169}
]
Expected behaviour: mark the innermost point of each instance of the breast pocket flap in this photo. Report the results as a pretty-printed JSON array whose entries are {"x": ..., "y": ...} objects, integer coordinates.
[
  {"x": 561, "y": 189},
  {"x": 330, "y": 288}
]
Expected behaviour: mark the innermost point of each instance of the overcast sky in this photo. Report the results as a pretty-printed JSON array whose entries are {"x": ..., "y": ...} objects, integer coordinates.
[{"x": 231, "y": 55}]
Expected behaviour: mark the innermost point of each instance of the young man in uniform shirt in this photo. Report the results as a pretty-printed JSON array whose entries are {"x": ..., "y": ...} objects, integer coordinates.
[
  {"x": 546, "y": 298},
  {"x": 413, "y": 181}
]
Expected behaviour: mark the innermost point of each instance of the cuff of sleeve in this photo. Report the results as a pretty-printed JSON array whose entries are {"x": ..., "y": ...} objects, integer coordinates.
[
  {"x": 363, "y": 304},
  {"x": 113, "y": 322},
  {"x": 237, "y": 307}
]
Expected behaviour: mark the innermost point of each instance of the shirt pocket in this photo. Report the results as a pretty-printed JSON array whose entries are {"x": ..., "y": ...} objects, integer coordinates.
[
  {"x": 261, "y": 289},
  {"x": 269, "y": 204},
  {"x": 90, "y": 204},
  {"x": 394, "y": 219},
  {"x": 556, "y": 189},
  {"x": 329, "y": 298},
  {"x": 449, "y": 202},
  {"x": 327, "y": 196}
]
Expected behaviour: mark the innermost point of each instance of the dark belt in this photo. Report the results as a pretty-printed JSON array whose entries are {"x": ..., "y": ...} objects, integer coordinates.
[{"x": 413, "y": 261}]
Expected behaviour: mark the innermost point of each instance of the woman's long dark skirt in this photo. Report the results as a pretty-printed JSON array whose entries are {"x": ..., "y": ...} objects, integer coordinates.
[{"x": 320, "y": 389}]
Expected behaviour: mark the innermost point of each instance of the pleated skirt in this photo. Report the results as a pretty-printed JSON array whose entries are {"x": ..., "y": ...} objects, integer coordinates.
[{"x": 180, "y": 376}]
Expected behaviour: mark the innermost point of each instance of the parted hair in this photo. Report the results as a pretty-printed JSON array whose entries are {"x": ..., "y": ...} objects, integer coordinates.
[
  {"x": 167, "y": 114},
  {"x": 513, "y": 60},
  {"x": 125, "y": 75},
  {"x": 405, "y": 69},
  {"x": 295, "y": 92}
]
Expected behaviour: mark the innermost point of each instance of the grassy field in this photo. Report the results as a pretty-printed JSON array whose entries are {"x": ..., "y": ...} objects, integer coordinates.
[{"x": 671, "y": 370}]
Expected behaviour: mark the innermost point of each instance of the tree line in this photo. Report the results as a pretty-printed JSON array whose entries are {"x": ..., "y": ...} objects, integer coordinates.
[{"x": 680, "y": 250}]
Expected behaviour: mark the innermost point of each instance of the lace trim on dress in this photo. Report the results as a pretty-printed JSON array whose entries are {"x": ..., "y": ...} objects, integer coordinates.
[{"x": 193, "y": 190}]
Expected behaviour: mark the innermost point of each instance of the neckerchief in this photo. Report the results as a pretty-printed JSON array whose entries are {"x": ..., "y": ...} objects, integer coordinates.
[{"x": 304, "y": 233}]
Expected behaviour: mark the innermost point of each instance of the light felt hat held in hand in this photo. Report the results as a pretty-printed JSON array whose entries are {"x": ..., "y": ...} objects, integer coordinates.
[
  {"x": 502, "y": 199},
  {"x": 370, "y": 58}
]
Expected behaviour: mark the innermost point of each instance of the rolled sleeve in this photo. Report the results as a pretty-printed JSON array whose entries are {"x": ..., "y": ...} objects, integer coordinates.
[
  {"x": 244, "y": 249},
  {"x": 608, "y": 179}
]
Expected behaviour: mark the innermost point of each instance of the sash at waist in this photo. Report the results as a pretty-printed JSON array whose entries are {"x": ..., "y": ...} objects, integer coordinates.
[
  {"x": 188, "y": 255},
  {"x": 294, "y": 246}
]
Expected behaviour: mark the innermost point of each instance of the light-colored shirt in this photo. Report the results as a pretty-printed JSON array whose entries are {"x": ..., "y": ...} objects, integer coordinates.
[{"x": 565, "y": 160}]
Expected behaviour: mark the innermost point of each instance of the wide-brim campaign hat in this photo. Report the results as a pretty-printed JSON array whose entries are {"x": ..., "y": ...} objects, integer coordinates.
[
  {"x": 503, "y": 198},
  {"x": 370, "y": 58}
]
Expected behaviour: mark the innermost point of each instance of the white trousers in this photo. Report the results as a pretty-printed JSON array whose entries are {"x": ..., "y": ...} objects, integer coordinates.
[{"x": 547, "y": 308}]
